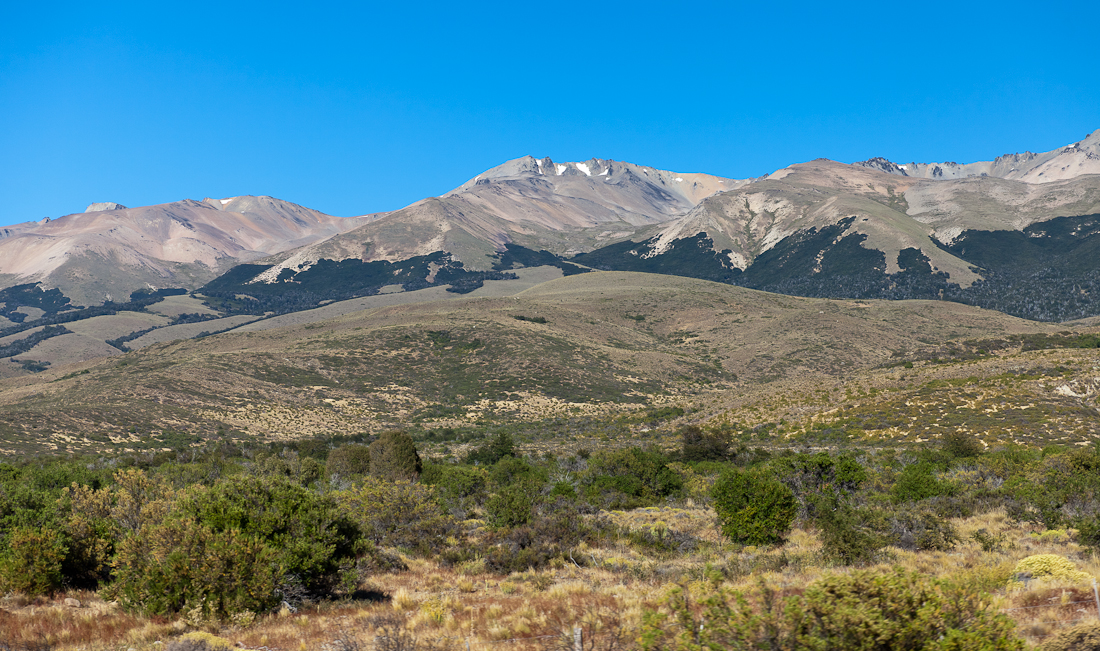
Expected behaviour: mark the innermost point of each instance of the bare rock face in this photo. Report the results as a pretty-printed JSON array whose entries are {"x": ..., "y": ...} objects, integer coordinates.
[{"x": 106, "y": 205}]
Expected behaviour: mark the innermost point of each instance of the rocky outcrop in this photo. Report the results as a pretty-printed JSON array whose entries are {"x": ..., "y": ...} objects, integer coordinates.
[{"x": 106, "y": 205}]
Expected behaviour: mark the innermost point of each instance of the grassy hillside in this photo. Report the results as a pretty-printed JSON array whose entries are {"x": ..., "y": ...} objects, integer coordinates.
[{"x": 567, "y": 358}]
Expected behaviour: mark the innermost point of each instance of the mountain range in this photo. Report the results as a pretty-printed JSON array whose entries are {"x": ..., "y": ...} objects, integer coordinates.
[{"x": 1017, "y": 234}]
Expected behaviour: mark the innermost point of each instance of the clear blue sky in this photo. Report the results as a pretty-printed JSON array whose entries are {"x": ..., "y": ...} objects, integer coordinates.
[{"x": 364, "y": 107}]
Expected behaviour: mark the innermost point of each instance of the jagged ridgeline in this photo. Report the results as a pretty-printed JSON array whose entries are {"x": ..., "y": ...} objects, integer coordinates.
[
  {"x": 1049, "y": 271},
  {"x": 239, "y": 291}
]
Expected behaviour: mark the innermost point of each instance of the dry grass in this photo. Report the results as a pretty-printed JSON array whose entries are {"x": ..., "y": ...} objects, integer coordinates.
[{"x": 446, "y": 607}]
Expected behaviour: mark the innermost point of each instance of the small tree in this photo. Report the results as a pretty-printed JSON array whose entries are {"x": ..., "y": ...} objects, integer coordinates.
[
  {"x": 753, "y": 507},
  {"x": 393, "y": 456}
]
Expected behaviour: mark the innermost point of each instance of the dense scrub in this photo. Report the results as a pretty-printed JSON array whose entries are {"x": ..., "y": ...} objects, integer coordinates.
[{"x": 228, "y": 532}]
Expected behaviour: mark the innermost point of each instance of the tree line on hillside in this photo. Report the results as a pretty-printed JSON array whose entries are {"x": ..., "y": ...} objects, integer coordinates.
[{"x": 1047, "y": 272}]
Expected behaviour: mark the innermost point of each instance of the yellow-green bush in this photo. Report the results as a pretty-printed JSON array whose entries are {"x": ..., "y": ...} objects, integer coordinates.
[
  {"x": 1049, "y": 566},
  {"x": 31, "y": 564},
  {"x": 861, "y": 611}
]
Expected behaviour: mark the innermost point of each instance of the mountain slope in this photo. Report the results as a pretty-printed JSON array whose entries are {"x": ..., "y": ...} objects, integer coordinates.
[
  {"x": 536, "y": 203},
  {"x": 104, "y": 254}
]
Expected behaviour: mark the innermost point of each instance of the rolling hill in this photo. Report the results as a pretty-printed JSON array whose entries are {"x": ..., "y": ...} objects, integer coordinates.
[{"x": 584, "y": 351}]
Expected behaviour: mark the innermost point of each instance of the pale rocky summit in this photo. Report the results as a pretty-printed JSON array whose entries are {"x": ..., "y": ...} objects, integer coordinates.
[
  {"x": 1071, "y": 161},
  {"x": 107, "y": 205}
]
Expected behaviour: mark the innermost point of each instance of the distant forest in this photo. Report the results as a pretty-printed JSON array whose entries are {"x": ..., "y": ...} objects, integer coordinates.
[{"x": 1047, "y": 272}]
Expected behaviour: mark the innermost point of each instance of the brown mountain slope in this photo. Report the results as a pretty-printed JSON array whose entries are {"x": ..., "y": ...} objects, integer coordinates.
[
  {"x": 537, "y": 203},
  {"x": 101, "y": 255}
]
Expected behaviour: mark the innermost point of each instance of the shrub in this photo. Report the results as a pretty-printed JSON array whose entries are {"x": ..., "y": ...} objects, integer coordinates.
[
  {"x": 921, "y": 529},
  {"x": 961, "y": 445},
  {"x": 511, "y": 470},
  {"x": 183, "y": 564},
  {"x": 494, "y": 450},
  {"x": 312, "y": 538},
  {"x": 849, "y": 536},
  {"x": 918, "y": 482},
  {"x": 753, "y": 508},
  {"x": 511, "y": 506},
  {"x": 898, "y": 610},
  {"x": 1052, "y": 566},
  {"x": 862, "y": 611},
  {"x": 348, "y": 461},
  {"x": 458, "y": 487},
  {"x": 393, "y": 456},
  {"x": 642, "y": 476},
  {"x": 1088, "y": 532},
  {"x": 811, "y": 476},
  {"x": 399, "y": 514},
  {"x": 697, "y": 445},
  {"x": 32, "y": 562},
  {"x": 1083, "y": 637}
]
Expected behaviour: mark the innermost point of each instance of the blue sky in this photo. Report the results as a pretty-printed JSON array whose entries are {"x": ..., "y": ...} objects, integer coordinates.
[{"x": 365, "y": 107}]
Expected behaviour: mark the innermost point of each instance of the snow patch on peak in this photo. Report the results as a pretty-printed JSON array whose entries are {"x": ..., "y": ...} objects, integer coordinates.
[
  {"x": 679, "y": 179},
  {"x": 605, "y": 172},
  {"x": 225, "y": 201},
  {"x": 560, "y": 168},
  {"x": 584, "y": 168}
]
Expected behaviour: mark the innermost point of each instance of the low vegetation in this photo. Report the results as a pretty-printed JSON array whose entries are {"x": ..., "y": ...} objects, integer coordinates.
[{"x": 709, "y": 543}]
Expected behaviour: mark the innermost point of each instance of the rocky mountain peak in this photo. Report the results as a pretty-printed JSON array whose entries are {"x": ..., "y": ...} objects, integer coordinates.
[{"x": 106, "y": 205}]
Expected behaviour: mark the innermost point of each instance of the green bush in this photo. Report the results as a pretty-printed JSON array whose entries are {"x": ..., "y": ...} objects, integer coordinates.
[
  {"x": 492, "y": 451},
  {"x": 397, "y": 514},
  {"x": 918, "y": 529},
  {"x": 1083, "y": 637},
  {"x": 849, "y": 535},
  {"x": 753, "y": 508},
  {"x": 393, "y": 456},
  {"x": 898, "y": 610},
  {"x": 511, "y": 506},
  {"x": 511, "y": 470},
  {"x": 1088, "y": 532},
  {"x": 961, "y": 445},
  {"x": 917, "y": 482},
  {"x": 862, "y": 611},
  {"x": 459, "y": 487},
  {"x": 699, "y": 445},
  {"x": 347, "y": 461},
  {"x": 811, "y": 476},
  {"x": 641, "y": 475},
  {"x": 312, "y": 538},
  {"x": 185, "y": 565},
  {"x": 32, "y": 561}
]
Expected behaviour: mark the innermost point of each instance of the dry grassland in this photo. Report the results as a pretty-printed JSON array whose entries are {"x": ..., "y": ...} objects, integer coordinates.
[{"x": 604, "y": 593}]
